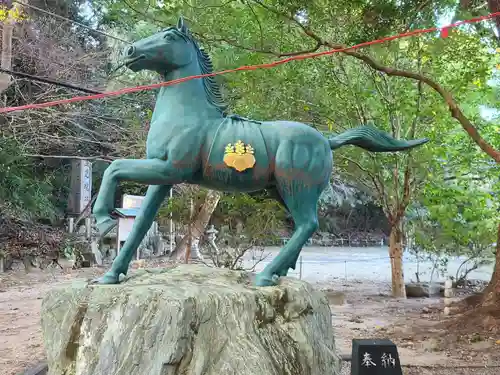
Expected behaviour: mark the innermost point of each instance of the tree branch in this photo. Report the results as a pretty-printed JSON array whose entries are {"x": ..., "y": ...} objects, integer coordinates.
[
  {"x": 379, "y": 187},
  {"x": 359, "y": 104},
  {"x": 407, "y": 173},
  {"x": 234, "y": 43},
  {"x": 258, "y": 23},
  {"x": 455, "y": 110},
  {"x": 208, "y": 6}
]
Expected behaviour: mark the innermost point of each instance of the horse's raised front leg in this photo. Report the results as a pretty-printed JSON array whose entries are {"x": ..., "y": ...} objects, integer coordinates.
[
  {"x": 148, "y": 171},
  {"x": 152, "y": 202}
]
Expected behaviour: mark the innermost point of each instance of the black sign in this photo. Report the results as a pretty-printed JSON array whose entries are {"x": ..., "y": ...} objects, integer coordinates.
[{"x": 375, "y": 357}]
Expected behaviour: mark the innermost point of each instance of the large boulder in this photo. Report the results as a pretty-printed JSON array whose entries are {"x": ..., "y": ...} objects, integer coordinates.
[{"x": 189, "y": 320}]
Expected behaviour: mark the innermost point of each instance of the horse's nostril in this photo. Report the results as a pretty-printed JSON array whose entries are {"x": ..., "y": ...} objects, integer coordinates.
[{"x": 130, "y": 51}]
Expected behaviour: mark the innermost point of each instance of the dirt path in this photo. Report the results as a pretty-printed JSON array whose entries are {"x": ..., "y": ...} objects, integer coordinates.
[
  {"x": 413, "y": 324},
  {"x": 368, "y": 312},
  {"x": 20, "y": 301}
]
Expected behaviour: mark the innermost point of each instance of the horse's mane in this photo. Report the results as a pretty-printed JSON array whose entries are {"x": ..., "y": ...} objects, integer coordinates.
[{"x": 212, "y": 89}]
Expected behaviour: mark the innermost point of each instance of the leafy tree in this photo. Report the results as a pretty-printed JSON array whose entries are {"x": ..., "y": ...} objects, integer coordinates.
[
  {"x": 459, "y": 213},
  {"x": 255, "y": 217},
  {"x": 249, "y": 223},
  {"x": 400, "y": 107},
  {"x": 457, "y": 220},
  {"x": 97, "y": 130},
  {"x": 192, "y": 208}
]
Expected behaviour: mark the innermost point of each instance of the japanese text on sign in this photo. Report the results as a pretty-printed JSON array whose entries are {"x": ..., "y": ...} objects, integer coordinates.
[
  {"x": 86, "y": 184},
  {"x": 385, "y": 361}
]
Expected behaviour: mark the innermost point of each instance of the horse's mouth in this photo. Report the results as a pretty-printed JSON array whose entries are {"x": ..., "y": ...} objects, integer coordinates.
[{"x": 130, "y": 62}]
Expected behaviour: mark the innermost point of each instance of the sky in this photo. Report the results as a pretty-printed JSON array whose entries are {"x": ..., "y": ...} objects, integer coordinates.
[{"x": 86, "y": 12}]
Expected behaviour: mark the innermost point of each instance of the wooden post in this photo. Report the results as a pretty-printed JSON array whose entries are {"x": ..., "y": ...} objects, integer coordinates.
[
  {"x": 71, "y": 225},
  {"x": 88, "y": 228}
]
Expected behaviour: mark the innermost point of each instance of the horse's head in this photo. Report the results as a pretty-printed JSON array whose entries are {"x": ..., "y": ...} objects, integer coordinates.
[{"x": 162, "y": 52}]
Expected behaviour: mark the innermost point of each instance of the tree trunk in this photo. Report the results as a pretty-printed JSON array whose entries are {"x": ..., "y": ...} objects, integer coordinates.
[
  {"x": 199, "y": 224},
  {"x": 396, "y": 254},
  {"x": 491, "y": 295}
]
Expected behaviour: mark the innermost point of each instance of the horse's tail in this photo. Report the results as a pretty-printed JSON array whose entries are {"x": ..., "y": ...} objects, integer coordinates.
[{"x": 373, "y": 139}]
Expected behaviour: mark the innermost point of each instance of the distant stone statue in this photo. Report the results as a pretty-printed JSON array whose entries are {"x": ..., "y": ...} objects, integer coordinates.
[
  {"x": 211, "y": 237},
  {"x": 152, "y": 242},
  {"x": 193, "y": 140}
]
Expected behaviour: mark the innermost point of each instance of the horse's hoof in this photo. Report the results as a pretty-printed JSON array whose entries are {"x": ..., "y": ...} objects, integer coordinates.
[
  {"x": 264, "y": 280},
  {"x": 109, "y": 278},
  {"x": 105, "y": 226},
  {"x": 283, "y": 272}
]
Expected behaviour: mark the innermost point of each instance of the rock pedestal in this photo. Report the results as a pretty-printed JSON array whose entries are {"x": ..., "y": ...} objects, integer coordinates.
[{"x": 189, "y": 320}]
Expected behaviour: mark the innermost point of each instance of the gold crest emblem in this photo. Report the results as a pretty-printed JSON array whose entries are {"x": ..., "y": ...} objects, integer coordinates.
[{"x": 239, "y": 156}]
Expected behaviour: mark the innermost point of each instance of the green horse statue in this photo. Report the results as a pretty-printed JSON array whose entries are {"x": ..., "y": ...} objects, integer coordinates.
[{"x": 192, "y": 140}]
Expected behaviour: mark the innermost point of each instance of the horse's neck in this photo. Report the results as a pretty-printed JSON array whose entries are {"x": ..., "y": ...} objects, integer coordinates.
[{"x": 184, "y": 102}]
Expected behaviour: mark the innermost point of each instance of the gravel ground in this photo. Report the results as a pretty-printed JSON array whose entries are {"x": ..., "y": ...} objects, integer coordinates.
[{"x": 346, "y": 370}]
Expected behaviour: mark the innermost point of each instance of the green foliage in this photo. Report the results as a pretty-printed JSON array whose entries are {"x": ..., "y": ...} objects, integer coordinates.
[
  {"x": 38, "y": 187},
  {"x": 261, "y": 217},
  {"x": 256, "y": 216},
  {"x": 465, "y": 212},
  {"x": 23, "y": 189},
  {"x": 179, "y": 207},
  {"x": 248, "y": 223},
  {"x": 458, "y": 219}
]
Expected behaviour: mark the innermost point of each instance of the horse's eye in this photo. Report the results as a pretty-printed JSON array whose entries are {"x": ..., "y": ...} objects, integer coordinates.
[{"x": 169, "y": 36}]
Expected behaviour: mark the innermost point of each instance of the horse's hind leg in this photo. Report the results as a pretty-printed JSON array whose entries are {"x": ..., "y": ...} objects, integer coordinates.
[{"x": 303, "y": 208}]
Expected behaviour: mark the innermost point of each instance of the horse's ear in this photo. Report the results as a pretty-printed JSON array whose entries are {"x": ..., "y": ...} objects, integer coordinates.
[{"x": 181, "y": 26}]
